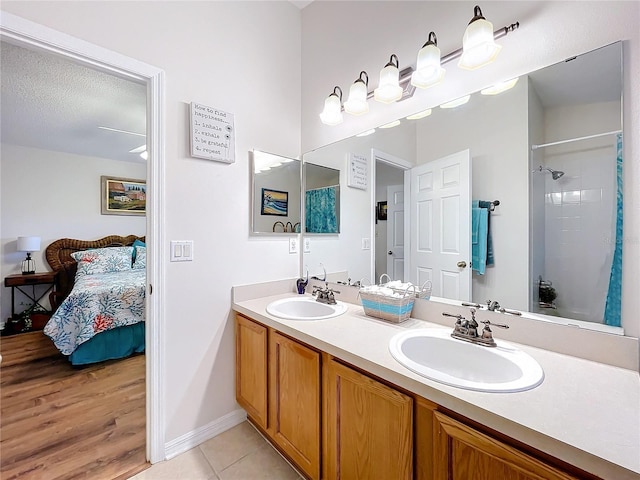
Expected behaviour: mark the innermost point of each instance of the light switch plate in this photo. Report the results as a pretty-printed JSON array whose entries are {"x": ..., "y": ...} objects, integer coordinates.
[
  {"x": 293, "y": 245},
  {"x": 366, "y": 244},
  {"x": 181, "y": 250}
]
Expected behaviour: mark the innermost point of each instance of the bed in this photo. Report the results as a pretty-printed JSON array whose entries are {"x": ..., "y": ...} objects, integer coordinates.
[{"x": 99, "y": 300}]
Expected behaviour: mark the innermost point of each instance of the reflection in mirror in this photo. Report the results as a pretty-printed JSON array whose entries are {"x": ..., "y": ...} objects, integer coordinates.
[
  {"x": 275, "y": 193},
  {"x": 552, "y": 233},
  {"x": 321, "y": 199}
]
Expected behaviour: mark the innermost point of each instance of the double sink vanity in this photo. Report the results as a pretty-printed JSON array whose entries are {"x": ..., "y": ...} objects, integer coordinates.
[{"x": 345, "y": 395}]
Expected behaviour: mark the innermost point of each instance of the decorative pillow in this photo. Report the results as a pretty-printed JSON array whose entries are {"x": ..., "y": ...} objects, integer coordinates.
[
  {"x": 103, "y": 260},
  {"x": 141, "y": 258},
  {"x": 136, "y": 243}
]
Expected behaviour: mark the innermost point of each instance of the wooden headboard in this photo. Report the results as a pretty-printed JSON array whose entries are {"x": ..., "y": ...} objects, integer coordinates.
[{"x": 58, "y": 255}]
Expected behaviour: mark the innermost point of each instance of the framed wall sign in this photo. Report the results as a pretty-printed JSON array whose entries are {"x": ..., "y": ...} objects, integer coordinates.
[{"x": 212, "y": 134}]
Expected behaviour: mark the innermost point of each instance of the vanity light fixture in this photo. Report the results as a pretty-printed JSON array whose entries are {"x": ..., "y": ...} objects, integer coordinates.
[
  {"x": 389, "y": 89},
  {"x": 357, "y": 103},
  {"x": 456, "y": 103},
  {"x": 428, "y": 72},
  {"x": 478, "y": 49},
  {"x": 366, "y": 133},
  {"x": 332, "y": 113},
  {"x": 478, "y": 44},
  {"x": 419, "y": 115},
  {"x": 500, "y": 87},
  {"x": 395, "y": 123}
]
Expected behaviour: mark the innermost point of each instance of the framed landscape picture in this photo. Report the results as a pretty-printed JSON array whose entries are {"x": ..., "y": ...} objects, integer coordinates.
[
  {"x": 274, "y": 202},
  {"x": 123, "y": 196}
]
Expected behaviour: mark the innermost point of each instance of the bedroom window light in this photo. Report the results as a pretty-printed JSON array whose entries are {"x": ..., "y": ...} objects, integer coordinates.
[{"x": 28, "y": 245}]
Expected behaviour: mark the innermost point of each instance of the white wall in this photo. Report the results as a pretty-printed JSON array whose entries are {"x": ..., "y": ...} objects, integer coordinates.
[
  {"x": 550, "y": 31},
  {"x": 244, "y": 58},
  {"x": 56, "y": 195}
]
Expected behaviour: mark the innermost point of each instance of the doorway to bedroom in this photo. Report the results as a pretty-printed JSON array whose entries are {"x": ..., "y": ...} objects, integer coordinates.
[{"x": 59, "y": 184}]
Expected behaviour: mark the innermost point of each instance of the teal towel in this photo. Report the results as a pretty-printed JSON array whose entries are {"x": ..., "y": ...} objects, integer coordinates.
[{"x": 479, "y": 236}]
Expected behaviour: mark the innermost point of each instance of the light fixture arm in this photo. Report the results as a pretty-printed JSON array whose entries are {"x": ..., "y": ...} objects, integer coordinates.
[
  {"x": 391, "y": 63},
  {"x": 339, "y": 90},
  {"x": 366, "y": 78},
  {"x": 431, "y": 40}
]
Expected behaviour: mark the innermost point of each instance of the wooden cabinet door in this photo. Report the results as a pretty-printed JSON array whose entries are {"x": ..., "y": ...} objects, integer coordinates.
[
  {"x": 463, "y": 453},
  {"x": 251, "y": 369},
  {"x": 294, "y": 424},
  {"x": 369, "y": 428}
]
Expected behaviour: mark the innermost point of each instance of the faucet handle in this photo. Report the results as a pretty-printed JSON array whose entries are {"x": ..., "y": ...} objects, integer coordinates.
[{"x": 487, "y": 323}]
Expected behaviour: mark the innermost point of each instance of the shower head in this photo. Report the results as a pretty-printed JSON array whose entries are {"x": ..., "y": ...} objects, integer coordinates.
[{"x": 555, "y": 174}]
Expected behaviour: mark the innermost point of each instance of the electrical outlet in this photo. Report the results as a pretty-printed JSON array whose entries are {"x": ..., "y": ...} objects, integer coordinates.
[
  {"x": 306, "y": 245},
  {"x": 293, "y": 245}
]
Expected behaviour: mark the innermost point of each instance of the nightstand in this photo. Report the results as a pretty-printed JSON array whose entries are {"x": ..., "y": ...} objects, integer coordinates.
[{"x": 45, "y": 282}]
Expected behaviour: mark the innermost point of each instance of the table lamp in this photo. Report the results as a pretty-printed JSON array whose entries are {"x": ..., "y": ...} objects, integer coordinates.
[{"x": 29, "y": 245}]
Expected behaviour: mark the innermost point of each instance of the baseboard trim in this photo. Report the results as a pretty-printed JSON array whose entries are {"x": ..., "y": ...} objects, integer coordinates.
[{"x": 196, "y": 437}]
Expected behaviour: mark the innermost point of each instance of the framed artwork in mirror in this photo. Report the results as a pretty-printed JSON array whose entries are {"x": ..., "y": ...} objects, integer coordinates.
[
  {"x": 123, "y": 196},
  {"x": 274, "y": 202},
  {"x": 382, "y": 211}
]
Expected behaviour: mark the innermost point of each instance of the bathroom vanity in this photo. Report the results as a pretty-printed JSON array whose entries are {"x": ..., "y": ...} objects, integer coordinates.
[{"x": 332, "y": 399}]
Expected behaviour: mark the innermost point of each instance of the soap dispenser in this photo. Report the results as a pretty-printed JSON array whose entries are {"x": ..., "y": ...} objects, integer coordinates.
[{"x": 301, "y": 284}]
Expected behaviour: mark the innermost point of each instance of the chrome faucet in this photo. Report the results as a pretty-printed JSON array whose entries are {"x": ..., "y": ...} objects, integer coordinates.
[
  {"x": 325, "y": 295},
  {"x": 493, "y": 305},
  {"x": 467, "y": 330}
]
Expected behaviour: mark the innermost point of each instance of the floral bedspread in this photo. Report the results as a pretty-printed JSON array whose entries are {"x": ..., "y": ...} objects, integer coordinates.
[{"x": 97, "y": 303}]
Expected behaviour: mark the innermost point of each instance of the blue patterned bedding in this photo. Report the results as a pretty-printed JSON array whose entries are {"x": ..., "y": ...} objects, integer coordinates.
[{"x": 97, "y": 303}]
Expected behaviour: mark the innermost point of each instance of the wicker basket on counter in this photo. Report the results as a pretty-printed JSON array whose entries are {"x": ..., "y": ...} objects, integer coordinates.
[{"x": 391, "y": 309}]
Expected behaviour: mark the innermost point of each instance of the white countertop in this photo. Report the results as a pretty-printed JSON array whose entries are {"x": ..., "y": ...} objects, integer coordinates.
[{"x": 585, "y": 413}]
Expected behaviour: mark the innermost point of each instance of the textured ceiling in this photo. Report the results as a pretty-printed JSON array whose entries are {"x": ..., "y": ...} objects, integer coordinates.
[{"x": 51, "y": 103}]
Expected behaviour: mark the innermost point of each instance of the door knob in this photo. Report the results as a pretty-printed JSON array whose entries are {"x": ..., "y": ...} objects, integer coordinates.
[
  {"x": 461, "y": 264},
  {"x": 390, "y": 252}
]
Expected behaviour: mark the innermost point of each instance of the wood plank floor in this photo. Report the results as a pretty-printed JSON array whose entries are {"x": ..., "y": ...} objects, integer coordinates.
[{"x": 63, "y": 422}]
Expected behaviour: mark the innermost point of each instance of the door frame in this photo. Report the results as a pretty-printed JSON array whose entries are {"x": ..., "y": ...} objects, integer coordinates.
[
  {"x": 379, "y": 155},
  {"x": 22, "y": 32}
]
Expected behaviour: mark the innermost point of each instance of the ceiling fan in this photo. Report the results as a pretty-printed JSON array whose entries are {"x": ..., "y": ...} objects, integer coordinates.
[{"x": 142, "y": 149}]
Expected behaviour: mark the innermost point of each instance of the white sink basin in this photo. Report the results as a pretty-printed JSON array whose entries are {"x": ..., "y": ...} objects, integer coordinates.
[
  {"x": 304, "y": 308},
  {"x": 434, "y": 354}
]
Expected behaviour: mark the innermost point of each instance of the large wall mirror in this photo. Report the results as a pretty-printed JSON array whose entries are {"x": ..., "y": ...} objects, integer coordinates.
[
  {"x": 536, "y": 167},
  {"x": 275, "y": 194}
]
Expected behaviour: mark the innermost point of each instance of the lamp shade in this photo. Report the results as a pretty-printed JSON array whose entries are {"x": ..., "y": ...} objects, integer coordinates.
[
  {"x": 357, "y": 103},
  {"x": 332, "y": 113},
  {"x": 389, "y": 89},
  {"x": 28, "y": 244},
  {"x": 478, "y": 45},
  {"x": 428, "y": 70}
]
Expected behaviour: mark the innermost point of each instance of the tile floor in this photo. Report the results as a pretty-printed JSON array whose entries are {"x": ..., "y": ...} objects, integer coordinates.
[{"x": 240, "y": 453}]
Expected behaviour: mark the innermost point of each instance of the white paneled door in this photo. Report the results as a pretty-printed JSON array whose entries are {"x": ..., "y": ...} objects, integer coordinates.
[
  {"x": 440, "y": 220},
  {"x": 395, "y": 232}
]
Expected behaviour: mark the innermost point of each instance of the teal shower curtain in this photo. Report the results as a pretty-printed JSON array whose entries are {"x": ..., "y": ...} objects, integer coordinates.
[
  {"x": 320, "y": 210},
  {"x": 613, "y": 307}
]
